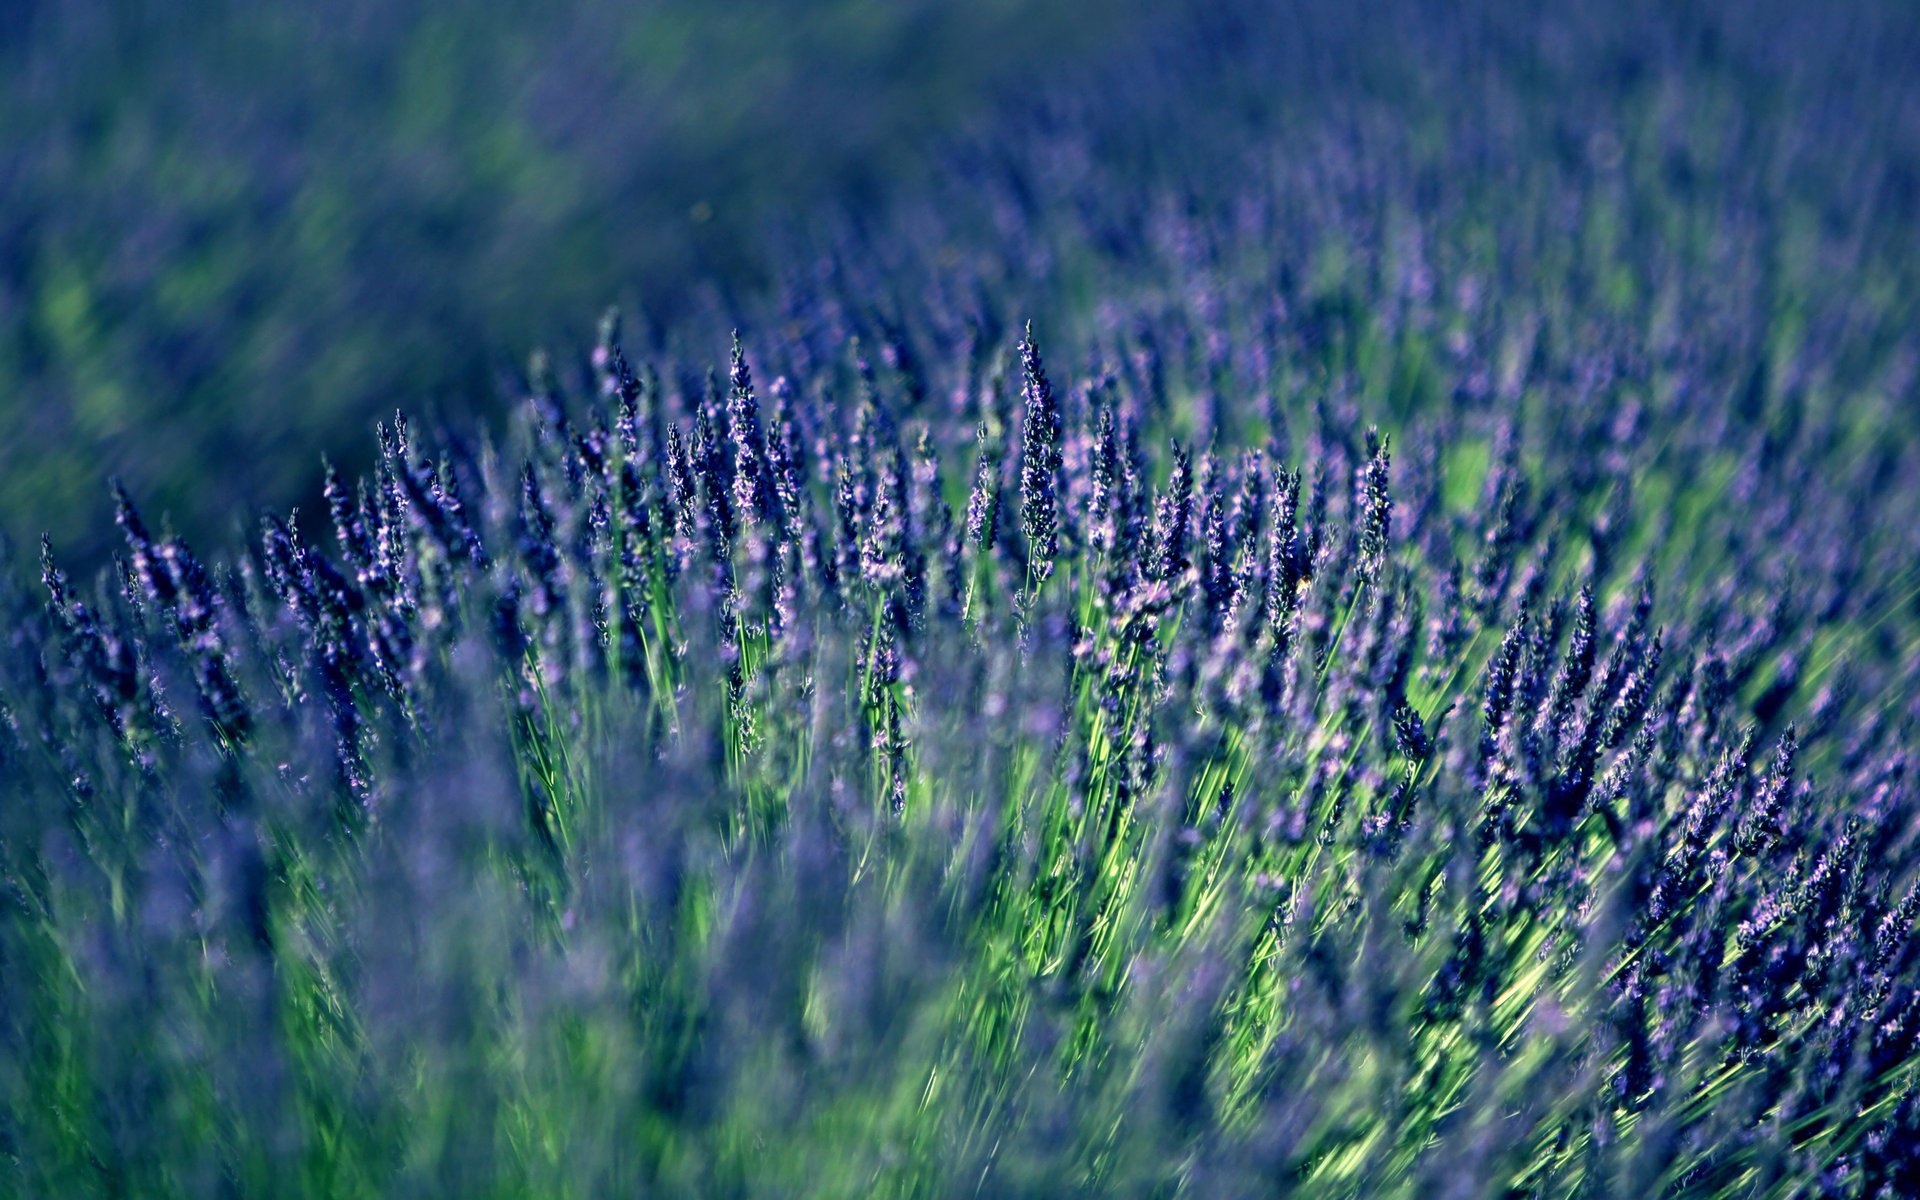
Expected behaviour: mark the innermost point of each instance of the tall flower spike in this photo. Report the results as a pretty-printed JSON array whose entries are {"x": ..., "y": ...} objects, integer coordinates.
[
  {"x": 349, "y": 527},
  {"x": 146, "y": 561},
  {"x": 752, "y": 489},
  {"x": 1376, "y": 507},
  {"x": 1039, "y": 460},
  {"x": 1284, "y": 567},
  {"x": 983, "y": 501},
  {"x": 712, "y": 467},
  {"x": 786, "y": 454},
  {"x": 1502, "y": 674},
  {"x": 53, "y": 577},
  {"x": 617, "y": 382},
  {"x": 1631, "y": 705},
  {"x": 1576, "y": 670},
  {"x": 1172, "y": 516},
  {"x": 1102, "y": 521},
  {"x": 1216, "y": 579},
  {"x": 1761, "y": 828}
]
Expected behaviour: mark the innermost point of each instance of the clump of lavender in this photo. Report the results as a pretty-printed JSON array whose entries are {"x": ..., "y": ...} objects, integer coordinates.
[{"x": 701, "y": 784}]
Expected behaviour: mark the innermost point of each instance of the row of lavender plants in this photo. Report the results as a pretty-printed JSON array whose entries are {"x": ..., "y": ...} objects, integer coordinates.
[{"x": 1388, "y": 684}]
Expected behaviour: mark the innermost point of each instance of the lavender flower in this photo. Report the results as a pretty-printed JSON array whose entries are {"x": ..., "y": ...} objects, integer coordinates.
[{"x": 1039, "y": 461}]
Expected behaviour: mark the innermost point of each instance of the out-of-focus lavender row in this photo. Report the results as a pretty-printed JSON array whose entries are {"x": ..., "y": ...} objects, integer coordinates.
[{"x": 232, "y": 233}]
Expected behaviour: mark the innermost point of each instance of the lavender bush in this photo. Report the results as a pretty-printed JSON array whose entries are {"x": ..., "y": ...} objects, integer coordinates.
[{"x": 1241, "y": 663}]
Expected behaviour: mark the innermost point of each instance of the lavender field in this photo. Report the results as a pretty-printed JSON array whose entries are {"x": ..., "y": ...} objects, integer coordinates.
[{"x": 1321, "y": 603}]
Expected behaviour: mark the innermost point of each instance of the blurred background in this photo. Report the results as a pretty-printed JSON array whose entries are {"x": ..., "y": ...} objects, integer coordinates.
[{"x": 233, "y": 234}]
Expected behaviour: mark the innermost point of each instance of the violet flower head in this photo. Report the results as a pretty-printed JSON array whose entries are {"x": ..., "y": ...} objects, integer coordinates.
[{"x": 1039, "y": 460}]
